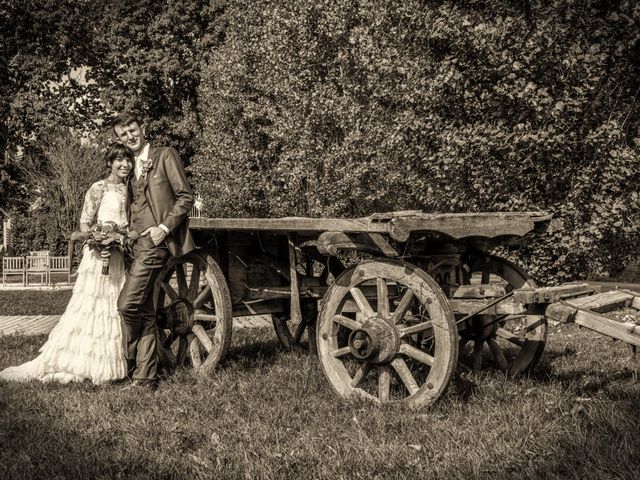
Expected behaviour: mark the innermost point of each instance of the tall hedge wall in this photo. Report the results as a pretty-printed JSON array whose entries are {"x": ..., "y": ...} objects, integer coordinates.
[{"x": 344, "y": 108}]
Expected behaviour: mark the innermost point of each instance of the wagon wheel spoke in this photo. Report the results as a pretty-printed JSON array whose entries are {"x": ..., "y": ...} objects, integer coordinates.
[
  {"x": 403, "y": 307},
  {"x": 498, "y": 354},
  {"x": 169, "y": 291},
  {"x": 341, "y": 352},
  {"x": 416, "y": 354},
  {"x": 165, "y": 355},
  {"x": 383, "y": 297},
  {"x": 183, "y": 290},
  {"x": 485, "y": 277},
  {"x": 346, "y": 321},
  {"x": 204, "y": 317},
  {"x": 426, "y": 327},
  {"x": 384, "y": 383},
  {"x": 202, "y": 297},
  {"x": 478, "y": 347},
  {"x": 361, "y": 374},
  {"x": 182, "y": 350},
  {"x": 194, "y": 351},
  {"x": 511, "y": 337},
  {"x": 362, "y": 302},
  {"x": 204, "y": 339},
  {"x": 194, "y": 284},
  {"x": 404, "y": 373}
]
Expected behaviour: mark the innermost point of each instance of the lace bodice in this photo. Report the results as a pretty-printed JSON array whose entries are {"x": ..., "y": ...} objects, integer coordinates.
[{"x": 105, "y": 202}]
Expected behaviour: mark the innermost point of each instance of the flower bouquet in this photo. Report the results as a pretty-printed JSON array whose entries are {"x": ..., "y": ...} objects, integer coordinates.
[{"x": 108, "y": 236}]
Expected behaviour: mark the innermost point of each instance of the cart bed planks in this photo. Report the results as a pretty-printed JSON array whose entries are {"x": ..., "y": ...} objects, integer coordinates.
[{"x": 398, "y": 225}]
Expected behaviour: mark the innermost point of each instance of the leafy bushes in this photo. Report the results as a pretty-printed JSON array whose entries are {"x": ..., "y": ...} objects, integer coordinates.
[
  {"x": 61, "y": 176},
  {"x": 345, "y": 108}
]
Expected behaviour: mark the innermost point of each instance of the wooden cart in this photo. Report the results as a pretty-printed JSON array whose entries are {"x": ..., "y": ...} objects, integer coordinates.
[{"x": 393, "y": 302}]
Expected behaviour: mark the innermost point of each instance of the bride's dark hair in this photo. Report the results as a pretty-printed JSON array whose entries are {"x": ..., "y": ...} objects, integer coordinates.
[{"x": 118, "y": 150}]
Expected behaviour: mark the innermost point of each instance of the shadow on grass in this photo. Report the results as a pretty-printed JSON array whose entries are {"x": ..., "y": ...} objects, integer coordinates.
[{"x": 38, "y": 442}]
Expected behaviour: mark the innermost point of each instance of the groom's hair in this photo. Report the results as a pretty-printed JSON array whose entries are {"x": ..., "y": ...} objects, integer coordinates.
[
  {"x": 123, "y": 119},
  {"x": 117, "y": 150}
]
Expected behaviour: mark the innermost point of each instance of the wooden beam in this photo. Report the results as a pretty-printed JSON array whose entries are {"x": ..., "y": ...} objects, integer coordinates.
[
  {"x": 606, "y": 326},
  {"x": 565, "y": 311},
  {"x": 330, "y": 243},
  {"x": 466, "y": 306},
  {"x": 399, "y": 225},
  {"x": 296, "y": 312},
  {"x": 553, "y": 294}
]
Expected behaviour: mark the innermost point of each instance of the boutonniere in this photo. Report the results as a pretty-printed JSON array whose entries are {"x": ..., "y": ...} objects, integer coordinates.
[{"x": 145, "y": 166}]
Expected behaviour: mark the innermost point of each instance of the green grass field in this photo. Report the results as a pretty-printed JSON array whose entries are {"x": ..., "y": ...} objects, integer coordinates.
[
  {"x": 34, "y": 302},
  {"x": 271, "y": 414}
]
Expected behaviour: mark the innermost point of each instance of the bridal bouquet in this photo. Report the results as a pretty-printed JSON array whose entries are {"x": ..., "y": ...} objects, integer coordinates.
[{"x": 108, "y": 236}]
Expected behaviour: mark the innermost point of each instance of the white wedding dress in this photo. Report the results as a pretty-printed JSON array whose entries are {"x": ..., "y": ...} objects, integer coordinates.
[{"x": 87, "y": 342}]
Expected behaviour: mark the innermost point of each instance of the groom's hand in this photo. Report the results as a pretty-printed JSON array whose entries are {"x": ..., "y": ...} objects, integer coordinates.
[{"x": 157, "y": 234}]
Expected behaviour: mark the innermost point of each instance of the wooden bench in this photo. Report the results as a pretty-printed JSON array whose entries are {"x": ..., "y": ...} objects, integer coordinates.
[
  {"x": 12, "y": 266},
  {"x": 37, "y": 263},
  {"x": 60, "y": 265}
]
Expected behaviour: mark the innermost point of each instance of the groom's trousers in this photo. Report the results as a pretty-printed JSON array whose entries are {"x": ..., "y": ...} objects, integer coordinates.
[{"x": 137, "y": 309}]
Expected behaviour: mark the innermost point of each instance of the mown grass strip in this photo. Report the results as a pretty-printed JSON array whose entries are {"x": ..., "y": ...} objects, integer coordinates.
[{"x": 266, "y": 413}]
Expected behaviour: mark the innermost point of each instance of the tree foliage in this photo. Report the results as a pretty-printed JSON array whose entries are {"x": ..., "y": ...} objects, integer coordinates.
[
  {"x": 73, "y": 64},
  {"x": 346, "y": 108}
]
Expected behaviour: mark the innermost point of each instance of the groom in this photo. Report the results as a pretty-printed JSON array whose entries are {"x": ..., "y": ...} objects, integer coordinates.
[{"x": 159, "y": 198}]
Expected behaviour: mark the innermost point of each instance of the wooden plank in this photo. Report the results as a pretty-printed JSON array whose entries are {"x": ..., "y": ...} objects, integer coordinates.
[
  {"x": 552, "y": 294},
  {"x": 479, "y": 291},
  {"x": 10, "y": 320},
  {"x": 566, "y": 310},
  {"x": 20, "y": 320},
  {"x": 296, "y": 312},
  {"x": 398, "y": 224},
  {"x": 603, "y": 302},
  {"x": 606, "y": 326},
  {"x": 29, "y": 322},
  {"x": 488, "y": 225},
  {"x": 467, "y": 306}
]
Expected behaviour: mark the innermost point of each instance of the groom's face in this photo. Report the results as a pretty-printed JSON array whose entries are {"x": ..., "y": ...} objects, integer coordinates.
[{"x": 132, "y": 135}]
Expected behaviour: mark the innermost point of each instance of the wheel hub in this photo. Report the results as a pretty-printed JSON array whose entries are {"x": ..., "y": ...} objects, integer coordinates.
[
  {"x": 376, "y": 341},
  {"x": 177, "y": 316}
]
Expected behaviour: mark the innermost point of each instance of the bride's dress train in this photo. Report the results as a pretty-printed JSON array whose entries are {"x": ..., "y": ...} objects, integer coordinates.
[{"x": 87, "y": 342}]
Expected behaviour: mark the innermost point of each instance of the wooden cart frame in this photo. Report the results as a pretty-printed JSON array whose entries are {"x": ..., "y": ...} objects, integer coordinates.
[{"x": 392, "y": 303}]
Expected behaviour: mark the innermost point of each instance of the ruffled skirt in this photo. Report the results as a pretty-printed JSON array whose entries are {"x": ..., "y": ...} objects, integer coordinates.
[{"x": 87, "y": 343}]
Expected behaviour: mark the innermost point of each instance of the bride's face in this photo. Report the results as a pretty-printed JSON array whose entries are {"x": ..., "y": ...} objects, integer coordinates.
[{"x": 120, "y": 167}]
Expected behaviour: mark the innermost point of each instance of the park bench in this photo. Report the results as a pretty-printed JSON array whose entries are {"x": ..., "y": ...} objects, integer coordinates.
[
  {"x": 12, "y": 266},
  {"x": 60, "y": 265},
  {"x": 37, "y": 263}
]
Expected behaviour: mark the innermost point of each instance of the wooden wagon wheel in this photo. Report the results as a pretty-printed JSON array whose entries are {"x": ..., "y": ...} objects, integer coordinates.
[
  {"x": 403, "y": 346},
  {"x": 194, "y": 304},
  {"x": 516, "y": 342},
  {"x": 291, "y": 335}
]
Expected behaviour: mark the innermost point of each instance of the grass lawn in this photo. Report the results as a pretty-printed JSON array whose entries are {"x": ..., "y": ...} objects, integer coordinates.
[
  {"x": 270, "y": 414},
  {"x": 34, "y": 302}
]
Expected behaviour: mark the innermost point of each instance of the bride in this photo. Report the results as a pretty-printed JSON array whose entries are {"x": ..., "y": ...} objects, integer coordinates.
[{"x": 87, "y": 342}]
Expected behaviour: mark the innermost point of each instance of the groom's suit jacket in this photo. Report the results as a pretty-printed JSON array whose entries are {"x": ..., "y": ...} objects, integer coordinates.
[{"x": 169, "y": 196}]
